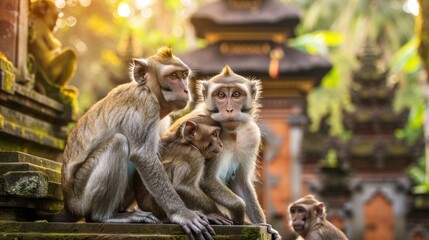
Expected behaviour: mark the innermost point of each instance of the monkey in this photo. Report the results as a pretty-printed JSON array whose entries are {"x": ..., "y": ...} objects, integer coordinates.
[
  {"x": 57, "y": 63},
  {"x": 185, "y": 150},
  {"x": 117, "y": 141},
  {"x": 308, "y": 218},
  {"x": 234, "y": 102}
]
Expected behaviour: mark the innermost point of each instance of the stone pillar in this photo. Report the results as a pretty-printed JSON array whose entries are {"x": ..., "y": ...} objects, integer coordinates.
[
  {"x": 296, "y": 123},
  {"x": 14, "y": 35}
]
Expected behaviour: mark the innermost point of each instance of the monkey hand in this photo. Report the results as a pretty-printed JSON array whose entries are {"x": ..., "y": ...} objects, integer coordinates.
[
  {"x": 194, "y": 223},
  {"x": 219, "y": 219},
  {"x": 275, "y": 235}
]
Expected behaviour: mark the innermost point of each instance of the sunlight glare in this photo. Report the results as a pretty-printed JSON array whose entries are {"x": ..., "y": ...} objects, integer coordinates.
[
  {"x": 187, "y": 2},
  {"x": 146, "y": 12},
  {"x": 124, "y": 10},
  {"x": 412, "y": 7},
  {"x": 85, "y": 3},
  {"x": 72, "y": 3},
  {"x": 140, "y": 4},
  {"x": 60, "y": 3}
]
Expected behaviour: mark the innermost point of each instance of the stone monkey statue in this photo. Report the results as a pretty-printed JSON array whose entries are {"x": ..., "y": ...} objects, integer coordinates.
[{"x": 55, "y": 63}]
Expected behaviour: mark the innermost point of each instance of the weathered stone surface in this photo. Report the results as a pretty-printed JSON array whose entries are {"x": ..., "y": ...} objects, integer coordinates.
[
  {"x": 19, "y": 157},
  {"x": 44, "y": 230},
  {"x": 31, "y": 184},
  {"x": 28, "y": 205},
  {"x": 28, "y": 167},
  {"x": 27, "y": 183},
  {"x": 54, "y": 190}
]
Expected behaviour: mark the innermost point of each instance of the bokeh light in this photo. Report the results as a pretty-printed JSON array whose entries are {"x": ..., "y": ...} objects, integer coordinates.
[
  {"x": 71, "y": 21},
  {"x": 411, "y": 6},
  {"x": 85, "y": 3},
  {"x": 124, "y": 10},
  {"x": 60, "y": 3},
  {"x": 140, "y": 4},
  {"x": 146, "y": 12}
]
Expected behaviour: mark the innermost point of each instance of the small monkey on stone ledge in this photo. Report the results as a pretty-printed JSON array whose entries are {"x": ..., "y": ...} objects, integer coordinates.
[
  {"x": 186, "y": 148},
  {"x": 308, "y": 218},
  {"x": 116, "y": 142}
]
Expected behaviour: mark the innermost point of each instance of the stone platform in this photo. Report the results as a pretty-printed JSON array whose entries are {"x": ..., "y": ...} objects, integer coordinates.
[{"x": 50, "y": 231}]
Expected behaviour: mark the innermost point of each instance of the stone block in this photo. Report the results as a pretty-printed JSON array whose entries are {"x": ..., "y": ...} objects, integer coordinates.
[{"x": 29, "y": 184}]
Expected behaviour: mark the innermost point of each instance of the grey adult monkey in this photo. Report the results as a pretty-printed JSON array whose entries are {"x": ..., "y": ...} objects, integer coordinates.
[{"x": 118, "y": 138}]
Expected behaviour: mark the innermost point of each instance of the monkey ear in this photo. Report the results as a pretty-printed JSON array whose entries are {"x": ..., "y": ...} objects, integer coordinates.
[
  {"x": 139, "y": 70},
  {"x": 319, "y": 209},
  {"x": 256, "y": 89},
  {"x": 189, "y": 130},
  {"x": 203, "y": 85}
]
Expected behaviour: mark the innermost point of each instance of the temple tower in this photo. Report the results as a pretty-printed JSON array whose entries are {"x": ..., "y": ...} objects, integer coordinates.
[{"x": 366, "y": 191}]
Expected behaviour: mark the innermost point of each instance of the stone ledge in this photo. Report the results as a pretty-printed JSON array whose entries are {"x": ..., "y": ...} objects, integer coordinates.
[{"x": 44, "y": 230}]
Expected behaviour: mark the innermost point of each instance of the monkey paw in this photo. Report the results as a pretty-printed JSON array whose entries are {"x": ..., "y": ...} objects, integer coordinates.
[
  {"x": 274, "y": 233},
  {"x": 219, "y": 219},
  {"x": 195, "y": 224}
]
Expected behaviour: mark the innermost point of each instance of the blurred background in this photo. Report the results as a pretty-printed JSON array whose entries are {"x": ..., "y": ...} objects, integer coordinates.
[{"x": 345, "y": 92}]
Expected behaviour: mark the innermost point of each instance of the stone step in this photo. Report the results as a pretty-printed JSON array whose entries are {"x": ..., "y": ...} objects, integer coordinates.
[
  {"x": 54, "y": 176},
  {"x": 20, "y": 157},
  {"x": 45, "y": 230}
]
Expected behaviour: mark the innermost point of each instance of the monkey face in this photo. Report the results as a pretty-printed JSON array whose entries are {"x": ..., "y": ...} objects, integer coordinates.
[
  {"x": 229, "y": 105},
  {"x": 305, "y": 213},
  {"x": 213, "y": 142},
  {"x": 298, "y": 217},
  {"x": 166, "y": 76},
  {"x": 203, "y": 134},
  {"x": 231, "y": 99},
  {"x": 174, "y": 86},
  {"x": 207, "y": 139}
]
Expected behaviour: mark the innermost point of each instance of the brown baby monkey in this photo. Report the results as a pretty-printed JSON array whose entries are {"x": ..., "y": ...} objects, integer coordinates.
[{"x": 186, "y": 148}]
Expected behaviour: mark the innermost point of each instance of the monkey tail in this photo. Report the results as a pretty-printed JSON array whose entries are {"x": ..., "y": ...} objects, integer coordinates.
[{"x": 61, "y": 216}]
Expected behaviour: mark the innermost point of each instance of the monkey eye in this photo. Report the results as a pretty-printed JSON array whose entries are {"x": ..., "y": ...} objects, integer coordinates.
[
  {"x": 236, "y": 94},
  {"x": 221, "y": 94},
  {"x": 174, "y": 76}
]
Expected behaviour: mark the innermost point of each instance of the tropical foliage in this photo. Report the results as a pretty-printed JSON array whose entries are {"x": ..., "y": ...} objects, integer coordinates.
[
  {"x": 383, "y": 22},
  {"x": 390, "y": 25},
  {"x": 104, "y": 33}
]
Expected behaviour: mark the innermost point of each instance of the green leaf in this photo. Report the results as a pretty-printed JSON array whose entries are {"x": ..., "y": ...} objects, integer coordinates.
[
  {"x": 417, "y": 174},
  {"x": 330, "y": 38},
  {"x": 413, "y": 64},
  {"x": 404, "y": 55},
  {"x": 330, "y": 159},
  {"x": 421, "y": 189},
  {"x": 417, "y": 116},
  {"x": 331, "y": 79}
]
